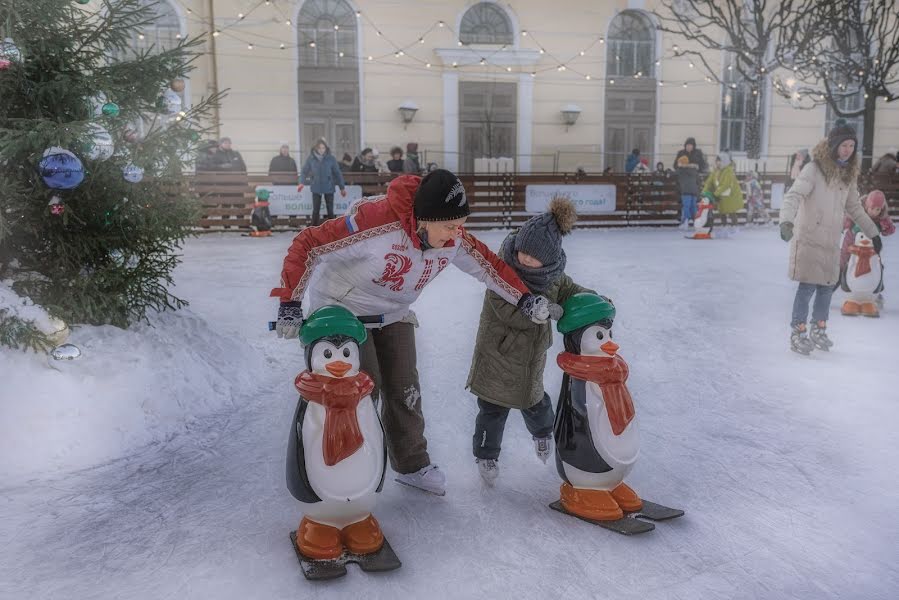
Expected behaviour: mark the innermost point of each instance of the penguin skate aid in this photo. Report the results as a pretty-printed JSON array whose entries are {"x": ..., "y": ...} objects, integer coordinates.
[
  {"x": 510, "y": 351},
  {"x": 596, "y": 429},
  {"x": 375, "y": 261},
  {"x": 811, "y": 218},
  {"x": 861, "y": 267}
]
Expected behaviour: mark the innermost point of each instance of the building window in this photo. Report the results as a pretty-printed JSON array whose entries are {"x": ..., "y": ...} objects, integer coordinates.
[
  {"x": 327, "y": 34},
  {"x": 631, "y": 46},
  {"x": 737, "y": 104},
  {"x": 849, "y": 104},
  {"x": 162, "y": 34},
  {"x": 486, "y": 23}
]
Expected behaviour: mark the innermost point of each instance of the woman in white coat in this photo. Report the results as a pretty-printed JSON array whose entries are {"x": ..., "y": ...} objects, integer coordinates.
[{"x": 811, "y": 220}]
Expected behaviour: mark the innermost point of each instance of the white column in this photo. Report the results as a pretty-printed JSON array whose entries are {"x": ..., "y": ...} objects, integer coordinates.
[
  {"x": 450, "y": 121},
  {"x": 525, "y": 122}
]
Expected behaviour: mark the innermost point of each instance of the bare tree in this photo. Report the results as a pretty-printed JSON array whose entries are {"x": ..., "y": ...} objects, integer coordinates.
[
  {"x": 856, "y": 52},
  {"x": 747, "y": 34}
]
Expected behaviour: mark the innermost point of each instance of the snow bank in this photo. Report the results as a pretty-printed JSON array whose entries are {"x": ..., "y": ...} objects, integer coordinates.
[{"x": 130, "y": 388}]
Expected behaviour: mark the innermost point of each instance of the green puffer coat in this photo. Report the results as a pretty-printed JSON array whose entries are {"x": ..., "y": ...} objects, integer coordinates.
[
  {"x": 725, "y": 187},
  {"x": 510, "y": 351}
]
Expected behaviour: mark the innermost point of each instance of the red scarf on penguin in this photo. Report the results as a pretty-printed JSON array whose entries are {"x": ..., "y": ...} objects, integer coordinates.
[
  {"x": 340, "y": 396},
  {"x": 609, "y": 373},
  {"x": 864, "y": 254}
]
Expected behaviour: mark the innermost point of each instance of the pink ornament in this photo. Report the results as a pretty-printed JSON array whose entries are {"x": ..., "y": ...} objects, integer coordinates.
[
  {"x": 58, "y": 209},
  {"x": 4, "y": 64}
]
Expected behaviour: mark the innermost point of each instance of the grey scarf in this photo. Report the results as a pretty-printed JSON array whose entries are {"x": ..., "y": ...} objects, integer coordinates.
[{"x": 538, "y": 280}]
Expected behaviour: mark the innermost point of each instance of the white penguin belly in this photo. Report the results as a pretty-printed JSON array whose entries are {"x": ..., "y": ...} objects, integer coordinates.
[
  {"x": 348, "y": 488},
  {"x": 619, "y": 451},
  {"x": 863, "y": 286}
]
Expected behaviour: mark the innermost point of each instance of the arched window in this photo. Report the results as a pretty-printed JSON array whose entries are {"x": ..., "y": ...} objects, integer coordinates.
[
  {"x": 631, "y": 46},
  {"x": 486, "y": 23},
  {"x": 164, "y": 32},
  {"x": 327, "y": 34}
]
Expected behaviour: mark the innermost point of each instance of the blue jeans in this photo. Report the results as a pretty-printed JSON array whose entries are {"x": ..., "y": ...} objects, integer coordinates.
[
  {"x": 688, "y": 207},
  {"x": 821, "y": 309}
]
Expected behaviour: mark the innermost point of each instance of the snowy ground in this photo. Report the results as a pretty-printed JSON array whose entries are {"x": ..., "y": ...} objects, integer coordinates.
[{"x": 784, "y": 464}]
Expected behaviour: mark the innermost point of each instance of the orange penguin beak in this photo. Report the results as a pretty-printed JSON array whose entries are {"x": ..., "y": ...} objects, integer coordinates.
[
  {"x": 338, "y": 368},
  {"x": 610, "y": 347}
]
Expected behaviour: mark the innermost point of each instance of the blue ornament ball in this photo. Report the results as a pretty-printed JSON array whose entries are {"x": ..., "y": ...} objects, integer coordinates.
[{"x": 60, "y": 169}]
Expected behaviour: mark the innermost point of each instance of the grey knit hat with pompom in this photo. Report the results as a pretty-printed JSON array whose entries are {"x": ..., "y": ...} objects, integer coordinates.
[{"x": 541, "y": 236}]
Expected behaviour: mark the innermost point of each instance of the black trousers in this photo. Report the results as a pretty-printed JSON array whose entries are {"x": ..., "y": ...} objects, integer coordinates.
[
  {"x": 491, "y": 421},
  {"x": 317, "y": 206}
]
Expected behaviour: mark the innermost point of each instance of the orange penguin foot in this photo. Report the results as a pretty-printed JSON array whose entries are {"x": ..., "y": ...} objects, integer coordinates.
[
  {"x": 851, "y": 308},
  {"x": 318, "y": 541},
  {"x": 627, "y": 498},
  {"x": 363, "y": 537},
  {"x": 869, "y": 309},
  {"x": 598, "y": 505}
]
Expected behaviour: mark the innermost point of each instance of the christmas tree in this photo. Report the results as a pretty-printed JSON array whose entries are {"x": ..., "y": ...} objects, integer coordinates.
[{"x": 94, "y": 138}]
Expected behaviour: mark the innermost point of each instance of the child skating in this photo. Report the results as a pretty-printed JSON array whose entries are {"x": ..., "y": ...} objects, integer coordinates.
[
  {"x": 811, "y": 220},
  {"x": 510, "y": 352}
]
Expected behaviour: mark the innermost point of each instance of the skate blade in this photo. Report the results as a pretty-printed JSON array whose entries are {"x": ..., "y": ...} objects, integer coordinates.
[
  {"x": 416, "y": 487},
  {"x": 384, "y": 559},
  {"x": 627, "y": 525},
  {"x": 656, "y": 512}
]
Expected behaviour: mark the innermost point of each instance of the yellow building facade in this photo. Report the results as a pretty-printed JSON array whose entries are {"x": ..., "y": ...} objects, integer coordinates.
[{"x": 552, "y": 85}]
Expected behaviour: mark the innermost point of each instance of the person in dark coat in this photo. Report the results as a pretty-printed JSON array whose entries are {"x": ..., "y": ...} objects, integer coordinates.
[
  {"x": 365, "y": 162},
  {"x": 691, "y": 167},
  {"x": 229, "y": 159},
  {"x": 346, "y": 163},
  {"x": 633, "y": 159},
  {"x": 283, "y": 163},
  {"x": 886, "y": 164},
  {"x": 206, "y": 157},
  {"x": 395, "y": 164},
  {"x": 412, "y": 164},
  {"x": 797, "y": 162},
  {"x": 322, "y": 172}
]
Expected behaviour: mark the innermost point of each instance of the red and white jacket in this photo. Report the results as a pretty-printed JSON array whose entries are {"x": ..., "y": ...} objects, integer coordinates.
[{"x": 372, "y": 261}]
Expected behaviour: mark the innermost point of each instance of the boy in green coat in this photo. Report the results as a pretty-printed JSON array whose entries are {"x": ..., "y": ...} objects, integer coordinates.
[
  {"x": 724, "y": 186},
  {"x": 510, "y": 351}
]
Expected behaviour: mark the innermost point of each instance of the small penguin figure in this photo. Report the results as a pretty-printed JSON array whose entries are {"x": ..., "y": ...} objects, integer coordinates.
[
  {"x": 704, "y": 219},
  {"x": 261, "y": 217},
  {"x": 595, "y": 431},
  {"x": 336, "y": 456},
  {"x": 863, "y": 278}
]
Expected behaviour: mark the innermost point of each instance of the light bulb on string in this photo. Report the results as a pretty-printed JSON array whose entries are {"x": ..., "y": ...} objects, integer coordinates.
[
  {"x": 216, "y": 33},
  {"x": 282, "y": 46},
  {"x": 602, "y": 40},
  {"x": 140, "y": 36},
  {"x": 441, "y": 24},
  {"x": 358, "y": 13},
  {"x": 421, "y": 40},
  {"x": 675, "y": 48},
  {"x": 685, "y": 84},
  {"x": 611, "y": 82},
  {"x": 587, "y": 77},
  {"x": 542, "y": 51},
  {"x": 240, "y": 16},
  {"x": 524, "y": 33},
  {"x": 287, "y": 22},
  {"x": 371, "y": 58},
  {"x": 428, "y": 65},
  {"x": 312, "y": 44},
  {"x": 661, "y": 83},
  {"x": 249, "y": 46},
  {"x": 483, "y": 61},
  {"x": 509, "y": 69},
  {"x": 340, "y": 54},
  {"x": 459, "y": 43},
  {"x": 582, "y": 53},
  {"x": 692, "y": 65}
]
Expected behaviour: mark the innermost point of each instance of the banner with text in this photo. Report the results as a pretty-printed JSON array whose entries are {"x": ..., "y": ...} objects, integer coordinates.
[
  {"x": 587, "y": 199},
  {"x": 286, "y": 200}
]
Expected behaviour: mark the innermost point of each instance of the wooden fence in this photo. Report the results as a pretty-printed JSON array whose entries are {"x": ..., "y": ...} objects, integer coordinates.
[{"x": 497, "y": 201}]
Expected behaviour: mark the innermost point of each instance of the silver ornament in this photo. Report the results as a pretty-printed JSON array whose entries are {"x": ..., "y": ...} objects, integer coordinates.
[
  {"x": 62, "y": 358},
  {"x": 9, "y": 51},
  {"x": 172, "y": 102},
  {"x": 132, "y": 173}
]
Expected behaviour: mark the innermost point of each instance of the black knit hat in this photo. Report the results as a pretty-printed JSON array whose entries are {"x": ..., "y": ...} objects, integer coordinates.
[
  {"x": 440, "y": 197},
  {"x": 841, "y": 132}
]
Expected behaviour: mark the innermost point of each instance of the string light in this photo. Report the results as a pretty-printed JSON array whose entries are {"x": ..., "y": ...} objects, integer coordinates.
[
  {"x": 583, "y": 53},
  {"x": 140, "y": 36},
  {"x": 661, "y": 83},
  {"x": 483, "y": 61},
  {"x": 675, "y": 48},
  {"x": 455, "y": 64},
  {"x": 340, "y": 54},
  {"x": 587, "y": 77},
  {"x": 542, "y": 51},
  {"x": 685, "y": 84},
  {"x": 358, "y": 13},
  {"x": 692, "y": 65},
  {"x": 428, "y": 65},
  {"x": 240, "y": 16},
  {"x": 611, "y": 82},
  {"x": 441, "y": 24},
  {"x": 602, "y": 40},
  {"x": 287, "y": 22},
  {"x": 371, "y": 58},
  {"x": 524, "y": 33},
  {"x": 249, "y": 46},
  {"x": 312, "y": 44},
  {"x": 421, "y": 40},
  {"x": 459, "y": 43},
  {"x": 216, "y": 33},
  {"x": 509, "y": 69},
  {"x": 282, "y": 46}
]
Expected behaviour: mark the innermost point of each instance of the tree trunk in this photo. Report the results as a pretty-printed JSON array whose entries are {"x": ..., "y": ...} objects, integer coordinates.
[
  {"x": 754, "y": 120},
  {"x": 868, "y": 144}
]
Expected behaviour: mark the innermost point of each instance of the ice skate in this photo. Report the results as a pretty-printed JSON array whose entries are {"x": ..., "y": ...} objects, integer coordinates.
[
  {"x": 818, "y": 336},
  {"x": 543, "y": 446},
  {"x": 489, "y": 470},
  {"x": 430, "y": 479},
  {"x": 799, "y": 341}
]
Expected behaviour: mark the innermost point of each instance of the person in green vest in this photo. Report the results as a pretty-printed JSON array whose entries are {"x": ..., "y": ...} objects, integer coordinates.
[
  {"x": 723, "y": 186},
  {"x": 510, "y": 352}
]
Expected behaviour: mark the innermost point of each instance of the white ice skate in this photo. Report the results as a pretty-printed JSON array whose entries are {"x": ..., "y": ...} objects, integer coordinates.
[
  {"x": 489, "y": 470},
  {"x": 430, "y": 479}
]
